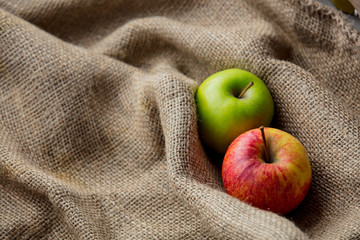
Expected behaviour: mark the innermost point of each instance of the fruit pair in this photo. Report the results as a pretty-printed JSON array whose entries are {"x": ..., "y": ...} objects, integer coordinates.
[{"x": 265, "y": 167}]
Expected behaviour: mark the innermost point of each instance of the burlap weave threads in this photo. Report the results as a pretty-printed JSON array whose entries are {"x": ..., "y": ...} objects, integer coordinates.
[{"x": 98, "y": 125}]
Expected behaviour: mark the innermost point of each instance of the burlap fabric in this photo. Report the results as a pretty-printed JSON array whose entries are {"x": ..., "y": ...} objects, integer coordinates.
[{"x": 98, "y": 126}]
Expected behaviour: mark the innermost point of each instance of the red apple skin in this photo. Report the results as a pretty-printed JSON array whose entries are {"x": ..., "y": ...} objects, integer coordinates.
[{"x": 279, "y": 186}]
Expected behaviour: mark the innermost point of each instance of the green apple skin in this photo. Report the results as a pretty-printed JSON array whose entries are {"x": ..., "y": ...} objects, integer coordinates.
[
  {"x": 344, "y": 5},
  {"x": 223, "y": 116}
]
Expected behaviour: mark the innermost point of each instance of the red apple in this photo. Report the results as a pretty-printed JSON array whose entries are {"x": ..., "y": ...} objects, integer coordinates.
[{"x": 267, "y": 168}]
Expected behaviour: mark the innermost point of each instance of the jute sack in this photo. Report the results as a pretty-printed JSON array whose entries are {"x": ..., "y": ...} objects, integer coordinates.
[{"x": 98, "y": 124}]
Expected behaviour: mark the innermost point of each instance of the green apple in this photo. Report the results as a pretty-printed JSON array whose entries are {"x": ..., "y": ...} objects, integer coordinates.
[
  {"x": 230, "y": 103},
  {"x": 344, "y": 5}
]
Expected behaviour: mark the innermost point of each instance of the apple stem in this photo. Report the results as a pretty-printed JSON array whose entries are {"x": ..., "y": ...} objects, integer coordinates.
[
  {"x": 245, "y": 89},
  {"x": 267, "y": 160}
]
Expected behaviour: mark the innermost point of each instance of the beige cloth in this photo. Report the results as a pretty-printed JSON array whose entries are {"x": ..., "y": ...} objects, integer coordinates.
[{"x": 98, "y": 126}]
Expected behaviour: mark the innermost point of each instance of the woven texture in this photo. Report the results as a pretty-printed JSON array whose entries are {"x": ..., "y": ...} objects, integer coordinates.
[{"x": 98, "y": 124}]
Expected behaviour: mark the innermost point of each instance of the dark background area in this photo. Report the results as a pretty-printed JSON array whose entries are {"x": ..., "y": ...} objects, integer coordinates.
[{"x": 354, "y": 20}]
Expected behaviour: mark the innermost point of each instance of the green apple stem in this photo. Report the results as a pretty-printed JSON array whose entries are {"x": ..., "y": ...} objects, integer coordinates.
[
  {"x": 267, "y": 160},
  {"x": 245, "y": 89}
]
